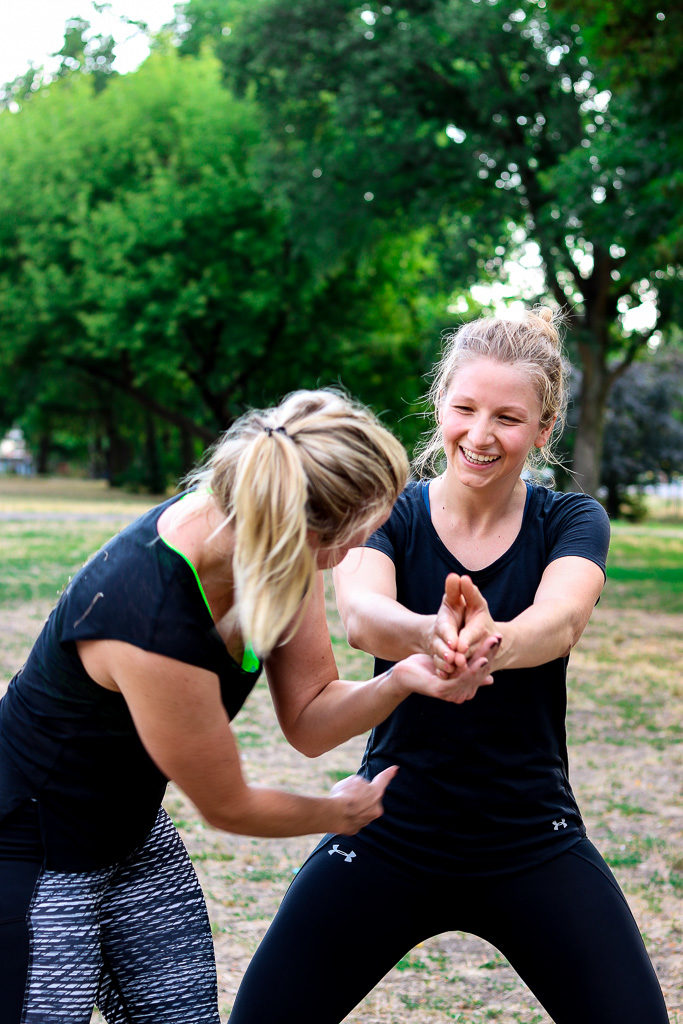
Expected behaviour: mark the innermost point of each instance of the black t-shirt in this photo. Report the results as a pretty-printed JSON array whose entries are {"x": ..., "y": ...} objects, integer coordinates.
[
  {"x": 482, "y": 786},
  {"x": 70, "y": 744}
]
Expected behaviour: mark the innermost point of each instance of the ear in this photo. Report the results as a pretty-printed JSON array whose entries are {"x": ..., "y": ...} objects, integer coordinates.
[{"x": 544, "y": 433}]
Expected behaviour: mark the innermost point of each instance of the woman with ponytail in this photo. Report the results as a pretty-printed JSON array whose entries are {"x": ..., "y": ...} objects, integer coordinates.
[
  {"x": 151, "y": 651},
  {"x": 481, "y": 831}
]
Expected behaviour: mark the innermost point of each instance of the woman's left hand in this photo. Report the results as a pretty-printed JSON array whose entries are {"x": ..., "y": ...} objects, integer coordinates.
[{"x": 417, "y": 674}]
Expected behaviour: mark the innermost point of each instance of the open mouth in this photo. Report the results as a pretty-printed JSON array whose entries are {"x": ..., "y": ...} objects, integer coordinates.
[{"x": 478, "y": 460}]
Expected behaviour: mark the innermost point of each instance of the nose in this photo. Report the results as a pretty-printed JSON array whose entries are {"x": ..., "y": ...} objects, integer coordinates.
[{"x": 479, "y": 433}]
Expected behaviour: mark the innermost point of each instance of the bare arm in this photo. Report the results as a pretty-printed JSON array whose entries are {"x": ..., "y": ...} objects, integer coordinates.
[
  {"x": 365, "y": 586},
  {"x": 183, "y": 725},
  {"x": 375, "y": 621},
  {"x": 318, "y": 711},
  {"x": 550, "y": 627}
]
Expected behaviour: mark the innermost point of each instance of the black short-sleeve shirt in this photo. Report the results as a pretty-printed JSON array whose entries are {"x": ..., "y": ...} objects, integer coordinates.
[
  {"x": 71, "y": 745},
  {"x": 482, "y": 786}
]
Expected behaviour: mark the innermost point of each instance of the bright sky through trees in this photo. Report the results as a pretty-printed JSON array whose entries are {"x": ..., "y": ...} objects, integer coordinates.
[{"x": 32, "y": 30}]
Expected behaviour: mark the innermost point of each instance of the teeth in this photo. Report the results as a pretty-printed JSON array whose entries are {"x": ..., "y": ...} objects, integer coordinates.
[{"x": 473, "y": 457}]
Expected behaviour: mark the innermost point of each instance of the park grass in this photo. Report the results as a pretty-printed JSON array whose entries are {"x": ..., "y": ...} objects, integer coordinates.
[
  {"x": 624, "y": 728},
  {"x": 50, "y": 527},
  {"x": 645, "y": 567}
]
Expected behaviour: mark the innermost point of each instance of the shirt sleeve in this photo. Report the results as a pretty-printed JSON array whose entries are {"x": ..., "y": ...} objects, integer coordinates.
[
  {"x": 392, "y": 536},
  {"x": 382, "y": 540},
  {"x": 578, "y": 525}
]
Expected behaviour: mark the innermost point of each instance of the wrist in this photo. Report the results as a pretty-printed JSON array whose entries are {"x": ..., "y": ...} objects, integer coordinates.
[
  {"x": 426, "y": 634},
  {"x": 500, "y": 655},
  {"x": 393, "y": 684}
]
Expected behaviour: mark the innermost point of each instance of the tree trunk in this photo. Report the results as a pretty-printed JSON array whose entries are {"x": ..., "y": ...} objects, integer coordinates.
[
  {"x": 595, "y": 385},
  {"x": 613, "y": 500},
  {"x": 596, "y": 380},
  {"x": 118, "y": 452},
  {"x": 154, "y": 477},
  {"x": 43, "y": 454}
]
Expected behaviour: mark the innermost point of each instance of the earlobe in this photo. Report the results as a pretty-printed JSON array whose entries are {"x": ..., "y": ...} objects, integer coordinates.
[{"x": 542, "y": 438}]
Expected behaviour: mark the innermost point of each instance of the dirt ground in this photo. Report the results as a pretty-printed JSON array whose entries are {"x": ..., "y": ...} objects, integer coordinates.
[{"x": 624, "y": 730}]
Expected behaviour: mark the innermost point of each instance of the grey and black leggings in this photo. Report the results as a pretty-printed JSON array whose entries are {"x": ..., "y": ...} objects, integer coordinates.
[
  {"x": 132, "y": 939},
  {"x": 346, "y": 920}
]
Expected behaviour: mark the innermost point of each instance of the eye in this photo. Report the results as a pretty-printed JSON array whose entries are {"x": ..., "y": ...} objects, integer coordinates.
[{"x": 510, "y": 419}]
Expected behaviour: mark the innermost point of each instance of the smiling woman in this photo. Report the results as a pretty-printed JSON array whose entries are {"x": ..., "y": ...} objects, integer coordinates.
[{"x": 481, "y": 830}]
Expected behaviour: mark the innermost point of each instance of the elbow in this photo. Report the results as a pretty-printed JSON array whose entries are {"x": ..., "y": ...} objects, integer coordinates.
[
  {"x": 227, "y": 819},
  {"x": 232, "y": 813},
  {"x": 353, "y": 624},
  {"x": 217, "y": 818},
  {"x": 308, "y": 745},
  {"x": 573, "y": 635}
]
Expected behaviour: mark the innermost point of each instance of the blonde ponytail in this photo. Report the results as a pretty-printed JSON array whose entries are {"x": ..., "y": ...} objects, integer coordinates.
[
  {"x": 273, "y": 564},
  {"x": 319, "y": 462}
]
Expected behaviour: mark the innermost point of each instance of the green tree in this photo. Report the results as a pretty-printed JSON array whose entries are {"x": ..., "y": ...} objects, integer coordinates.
[
  {"x": 144, "y": 253},
  {"x": 488, "y": 121}
]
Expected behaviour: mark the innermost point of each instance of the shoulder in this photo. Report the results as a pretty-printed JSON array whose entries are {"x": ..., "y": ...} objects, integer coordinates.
[
  {"x": 119, "y": 590},
  {"x": 404, "y": 520},
  {"x": 554, "y": 505},
  {"x": 573, "y": 524}
]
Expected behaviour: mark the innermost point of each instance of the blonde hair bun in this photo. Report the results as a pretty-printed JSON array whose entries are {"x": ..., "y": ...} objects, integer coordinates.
[{"x": 547, "y": 322}]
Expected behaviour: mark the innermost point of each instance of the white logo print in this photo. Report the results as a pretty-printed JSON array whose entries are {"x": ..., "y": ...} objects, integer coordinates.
[
  {"x": 348, "y": 857},
  {"x": 559, "y": 824}
]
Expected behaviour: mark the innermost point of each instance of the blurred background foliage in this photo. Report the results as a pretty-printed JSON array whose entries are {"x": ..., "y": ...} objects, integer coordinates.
[{"x": 288, "y": 196}]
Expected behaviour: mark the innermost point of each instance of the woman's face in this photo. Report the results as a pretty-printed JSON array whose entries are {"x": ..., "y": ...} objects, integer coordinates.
[{"x": 490, "y": 420}]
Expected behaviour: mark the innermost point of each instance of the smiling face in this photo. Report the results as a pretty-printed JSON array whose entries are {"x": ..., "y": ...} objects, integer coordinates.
[{"x": 490, "y": 420}]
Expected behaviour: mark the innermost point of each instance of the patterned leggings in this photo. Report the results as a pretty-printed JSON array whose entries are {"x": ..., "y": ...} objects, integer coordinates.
[{"x": 132, "y": 939}]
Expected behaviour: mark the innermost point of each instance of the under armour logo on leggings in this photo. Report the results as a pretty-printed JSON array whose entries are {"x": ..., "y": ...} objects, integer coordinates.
[
  {"x": 348, "y": 857},
  {"x": 559, "y": 824}
]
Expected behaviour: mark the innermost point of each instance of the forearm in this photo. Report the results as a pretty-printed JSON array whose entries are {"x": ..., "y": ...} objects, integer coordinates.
[
  {"x": 274, "y": 813},
  {"x": 386, "y": 629},
  {"x": 541, "y": 633},
  {"x": 344, "y": 709}
]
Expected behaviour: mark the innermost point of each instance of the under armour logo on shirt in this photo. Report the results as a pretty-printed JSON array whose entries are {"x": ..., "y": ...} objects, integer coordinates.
[
  {"x": 348, "y": 857},
  {"x": 559, "y": 824}
]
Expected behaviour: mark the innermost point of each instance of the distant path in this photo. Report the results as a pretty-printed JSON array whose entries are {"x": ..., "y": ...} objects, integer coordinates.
[{"x": 56, "y": 517}]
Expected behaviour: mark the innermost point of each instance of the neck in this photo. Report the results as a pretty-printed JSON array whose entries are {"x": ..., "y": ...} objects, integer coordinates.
[{"x": 478, "y": 507}]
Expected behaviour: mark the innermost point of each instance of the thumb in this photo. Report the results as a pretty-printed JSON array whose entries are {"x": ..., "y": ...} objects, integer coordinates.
[
  {"x": 452, "y": 590},
  {"x": 474, "y": 599},
  {"x": 382, "y": 780}
]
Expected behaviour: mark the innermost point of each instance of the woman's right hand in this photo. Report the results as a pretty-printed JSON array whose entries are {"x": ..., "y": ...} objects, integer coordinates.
[
  {"x": 417, "y": 674},
  {"x": 358, "y": 802}
]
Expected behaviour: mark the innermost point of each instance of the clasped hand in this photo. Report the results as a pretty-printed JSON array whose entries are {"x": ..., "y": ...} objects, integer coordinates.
[{"x": 463, "y": 640}]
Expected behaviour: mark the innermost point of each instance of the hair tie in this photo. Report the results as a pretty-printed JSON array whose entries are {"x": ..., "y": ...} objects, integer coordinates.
[{"x": 277, "y": 430}]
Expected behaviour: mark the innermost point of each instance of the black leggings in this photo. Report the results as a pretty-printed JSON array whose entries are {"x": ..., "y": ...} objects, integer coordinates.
[{"x": 564, "y": 926}]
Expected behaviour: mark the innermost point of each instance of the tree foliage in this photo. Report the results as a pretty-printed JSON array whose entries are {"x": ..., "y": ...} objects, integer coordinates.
[
  {"x": 488, "y": 121},
  {"x": 150, "y": 277}
]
